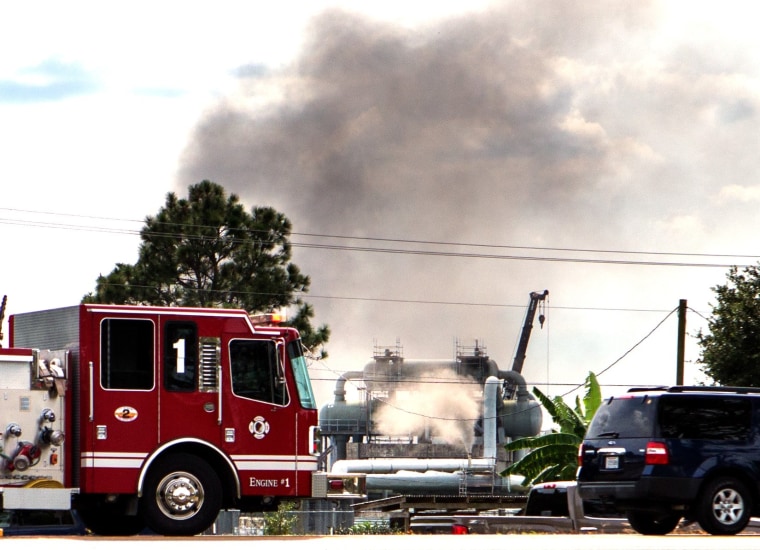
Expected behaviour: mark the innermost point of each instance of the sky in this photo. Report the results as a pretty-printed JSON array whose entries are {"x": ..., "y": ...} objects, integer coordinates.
[{"x": 439, "y": 161}]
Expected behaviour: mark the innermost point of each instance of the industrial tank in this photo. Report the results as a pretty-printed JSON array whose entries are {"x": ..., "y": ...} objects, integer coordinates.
[
  {"x": 390, "y": 375},
  {"x": 469, "y": 396},
  {"x": 521, "y": 418}
]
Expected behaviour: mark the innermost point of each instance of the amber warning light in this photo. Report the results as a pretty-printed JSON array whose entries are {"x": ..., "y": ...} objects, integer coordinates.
[{"x": 267, "y": 319}]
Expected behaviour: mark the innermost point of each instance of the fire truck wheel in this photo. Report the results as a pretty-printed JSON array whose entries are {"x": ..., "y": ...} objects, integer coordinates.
[{"x": 182, "y": 496}]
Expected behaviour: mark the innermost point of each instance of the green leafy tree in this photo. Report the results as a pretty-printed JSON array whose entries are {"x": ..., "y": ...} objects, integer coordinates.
[
  {"x": 554, "y": 456},
  {"x": 208, "y": 251},
  {"x": 282, "y": 521},
  {"x": 730, "y": 351}
]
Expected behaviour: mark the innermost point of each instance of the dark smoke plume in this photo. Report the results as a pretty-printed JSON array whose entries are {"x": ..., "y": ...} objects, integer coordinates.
[{"x": 532, "y": 124}]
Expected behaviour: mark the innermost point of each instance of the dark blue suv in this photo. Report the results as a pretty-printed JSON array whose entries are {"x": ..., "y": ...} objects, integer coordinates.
[{"x": 663, "y": 454}]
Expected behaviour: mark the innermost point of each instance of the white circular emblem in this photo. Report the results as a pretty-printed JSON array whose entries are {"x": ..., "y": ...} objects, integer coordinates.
[
  {"x": 125, "y": 414},
  {"x": 259, "y": 427}
]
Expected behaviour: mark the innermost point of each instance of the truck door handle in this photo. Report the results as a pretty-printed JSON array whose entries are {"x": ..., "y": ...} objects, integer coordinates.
[{"x": 92, "y": 396}]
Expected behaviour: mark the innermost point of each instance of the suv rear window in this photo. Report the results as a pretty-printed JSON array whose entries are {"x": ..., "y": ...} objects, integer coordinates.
[
  {"x": 547, "y": 502},
  {"x": 718, "y": 418},
  {"x": 624, "y": 417},
  {"x": 721, "y": 418}
]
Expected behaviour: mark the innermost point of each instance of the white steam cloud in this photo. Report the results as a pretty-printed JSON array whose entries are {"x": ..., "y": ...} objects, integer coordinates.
[{"x": 438, "y": 406}]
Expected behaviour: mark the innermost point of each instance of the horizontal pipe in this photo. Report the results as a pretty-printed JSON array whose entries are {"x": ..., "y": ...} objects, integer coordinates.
[
  {"x": 442, "y": 482},
  {"x": 392, "y": 465}
]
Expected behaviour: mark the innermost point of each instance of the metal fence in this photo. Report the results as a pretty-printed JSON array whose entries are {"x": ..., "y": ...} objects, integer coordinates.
[{"x": 321, "y": 519}]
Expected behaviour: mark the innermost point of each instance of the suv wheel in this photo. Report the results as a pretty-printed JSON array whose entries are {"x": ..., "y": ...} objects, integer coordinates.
[
  {"x": 648, "y": 523},
  {"x": 724, "y": 506}
]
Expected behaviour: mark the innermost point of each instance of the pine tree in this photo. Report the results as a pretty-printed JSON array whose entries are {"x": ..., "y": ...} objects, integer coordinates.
[{"x": 207, "y": 251}]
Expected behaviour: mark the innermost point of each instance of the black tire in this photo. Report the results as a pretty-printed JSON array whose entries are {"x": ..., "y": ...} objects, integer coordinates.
[
  {"x": 109, "y": 519},
  {"x": 650, "y": 523},
  {"x": 724, "y": 506},
  {"x": 182, "y": 496}
]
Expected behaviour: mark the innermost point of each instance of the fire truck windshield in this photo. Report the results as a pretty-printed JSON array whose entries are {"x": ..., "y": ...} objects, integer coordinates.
[{"x": 301, "y": 375}]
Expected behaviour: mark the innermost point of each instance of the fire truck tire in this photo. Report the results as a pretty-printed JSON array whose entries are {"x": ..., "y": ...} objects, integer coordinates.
[{"x": 182, "y": 496}]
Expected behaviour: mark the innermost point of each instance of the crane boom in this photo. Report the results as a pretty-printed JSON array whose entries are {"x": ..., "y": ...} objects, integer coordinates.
[{"x": 522, "y": 346}]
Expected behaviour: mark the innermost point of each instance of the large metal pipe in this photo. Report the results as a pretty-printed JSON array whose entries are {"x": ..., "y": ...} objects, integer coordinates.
[
  {"x": 443, "y": 482},
  {"x": 517, "y": 379},
  {"x": 491, "y": 392},
  {"x": 340, "y": 384},
  {"x": 394, "y": 465}
]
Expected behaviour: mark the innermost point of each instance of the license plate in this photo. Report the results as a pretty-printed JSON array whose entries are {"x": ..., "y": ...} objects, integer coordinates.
[{"x": 611, "y": 462}]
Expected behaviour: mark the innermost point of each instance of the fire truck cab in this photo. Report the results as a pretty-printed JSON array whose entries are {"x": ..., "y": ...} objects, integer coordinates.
[{"x": 157, "y": 417}]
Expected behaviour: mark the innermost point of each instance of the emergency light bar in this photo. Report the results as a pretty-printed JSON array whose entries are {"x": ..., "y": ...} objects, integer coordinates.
[{"x": 267, "y": 319}]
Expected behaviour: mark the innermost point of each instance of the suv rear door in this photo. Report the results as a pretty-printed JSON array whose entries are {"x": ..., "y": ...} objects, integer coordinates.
[
  {"x": 615, "y": 444},
  {"x": 686, "y": 430}
]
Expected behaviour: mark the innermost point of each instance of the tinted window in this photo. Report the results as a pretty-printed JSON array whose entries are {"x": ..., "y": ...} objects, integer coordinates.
[
  {"x": 255, "y": 372},
  {"x": 698, "y": 417},
  {"x": 624, "y": 417},
  {"x": 301, "y": 374},
  {"x": 180, "y": 356},
  {"x": 545, "y": 502},
  {"x": 126, "y": 354}
]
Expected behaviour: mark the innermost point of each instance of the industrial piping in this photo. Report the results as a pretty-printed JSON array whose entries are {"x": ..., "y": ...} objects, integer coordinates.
[{"x": 394, "y": 465}]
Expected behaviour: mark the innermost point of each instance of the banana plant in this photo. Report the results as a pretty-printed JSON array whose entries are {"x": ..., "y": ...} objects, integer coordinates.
[{"x": 554, "y": 456}]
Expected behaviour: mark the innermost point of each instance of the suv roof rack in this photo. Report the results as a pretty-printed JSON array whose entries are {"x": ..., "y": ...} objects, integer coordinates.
[
  {"x": 725, "y": 389},
  {"x": 648, "y": 388},
  {"x": 686, "y": 389}
]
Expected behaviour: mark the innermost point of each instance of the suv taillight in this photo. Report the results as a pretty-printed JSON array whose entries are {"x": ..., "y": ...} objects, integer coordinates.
[
  {"x": 656, "y": 453},
  {"x": 580, "y": 454}
]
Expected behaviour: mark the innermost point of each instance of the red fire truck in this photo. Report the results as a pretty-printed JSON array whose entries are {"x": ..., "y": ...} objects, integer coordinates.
[{"x": 157, "y": 417}]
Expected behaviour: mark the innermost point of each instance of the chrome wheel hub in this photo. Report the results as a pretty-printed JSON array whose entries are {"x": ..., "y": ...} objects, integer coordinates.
[
  {"x": 179, "y": 495},
  {"x": 728, "y": 506}
]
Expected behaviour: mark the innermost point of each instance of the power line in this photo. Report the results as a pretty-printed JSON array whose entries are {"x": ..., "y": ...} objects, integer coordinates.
[
  {"x": 228, "y": 292},
  {"x": 460, "y": 382},
  {"x": 425, "y": 252},
  {"x": 519, "y": 247},
  {"x": 509, "y": 257},
  {"x": 698, "y": 313},
  {"x": 616, "y": 361},
  {"x": 349, "y": 248},
  {"x": 574, "y": 387}
]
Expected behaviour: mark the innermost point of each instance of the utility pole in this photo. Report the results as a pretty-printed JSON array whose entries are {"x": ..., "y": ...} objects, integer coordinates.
[{"x": 681, "y": 341}]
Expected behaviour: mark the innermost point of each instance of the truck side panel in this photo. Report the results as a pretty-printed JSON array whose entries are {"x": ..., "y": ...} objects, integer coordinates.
[
  {"x": 57, "y": 329},
  {"x": 33, "y": 386},
  {"x": 50, "y": 329}
]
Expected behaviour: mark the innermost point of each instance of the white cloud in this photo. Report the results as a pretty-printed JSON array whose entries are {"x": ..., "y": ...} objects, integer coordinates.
[{"x": 741, "y": 193}]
